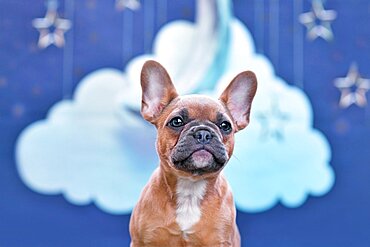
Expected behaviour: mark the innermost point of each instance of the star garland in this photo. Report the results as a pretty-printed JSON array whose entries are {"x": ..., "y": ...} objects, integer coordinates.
[
  {"x": 353, "y": 88},
  {"x": 51, "y": 27},
  {"x": 318, "y": 21}
]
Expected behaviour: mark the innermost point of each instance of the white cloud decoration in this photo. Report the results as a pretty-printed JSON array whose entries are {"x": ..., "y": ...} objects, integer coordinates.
[
  {"x": 95, "y": 148},
  {"x": 85, "y": 151}
]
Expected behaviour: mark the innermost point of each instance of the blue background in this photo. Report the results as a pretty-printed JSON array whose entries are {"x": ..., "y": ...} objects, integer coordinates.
[{"x": 32, "y": 80}]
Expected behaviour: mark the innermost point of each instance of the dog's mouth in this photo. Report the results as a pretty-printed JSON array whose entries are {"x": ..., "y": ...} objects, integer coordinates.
[
  {"x": 200, "y": 161},
  {"x": 202, "y": 158}
]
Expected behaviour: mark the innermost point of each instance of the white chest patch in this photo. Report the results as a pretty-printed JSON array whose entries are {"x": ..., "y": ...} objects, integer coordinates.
[{"x": 189, "y": 196}]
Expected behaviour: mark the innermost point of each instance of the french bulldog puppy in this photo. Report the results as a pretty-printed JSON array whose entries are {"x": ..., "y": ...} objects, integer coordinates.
[{"x": 187, "y": 201}]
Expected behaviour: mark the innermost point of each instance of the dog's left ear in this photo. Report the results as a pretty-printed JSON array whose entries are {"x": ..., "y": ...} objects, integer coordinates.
[
  {"x": 157, "y": 90},
  {"x": 238, "y": 97}
]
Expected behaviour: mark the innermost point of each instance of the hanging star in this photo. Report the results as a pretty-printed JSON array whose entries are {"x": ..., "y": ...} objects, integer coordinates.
[
  {"x": 273, "y": 121},
  {"x": 353, "y": 88},
  {"x": 129, "y": 4},
  {"x": 51, "y": 27},
  {"x": 318, "y": 21}
]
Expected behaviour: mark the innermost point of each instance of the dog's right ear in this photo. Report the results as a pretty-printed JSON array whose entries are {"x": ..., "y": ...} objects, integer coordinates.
[{"x": 157, "y": 90}]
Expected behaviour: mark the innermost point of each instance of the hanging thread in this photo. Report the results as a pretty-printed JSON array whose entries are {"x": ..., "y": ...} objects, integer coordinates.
[
  {"x": 259, "y": 23},
  {"x": 274, "y": 21},
  {"x": 148, "y": 6},
  {"x": 297, "y": 44},
  {"x": 67, "y": 86},
  {"x": 127, "y": 36}
]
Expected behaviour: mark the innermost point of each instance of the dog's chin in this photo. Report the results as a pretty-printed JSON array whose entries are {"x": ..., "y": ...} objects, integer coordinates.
[{"x": 199, "y": 163}]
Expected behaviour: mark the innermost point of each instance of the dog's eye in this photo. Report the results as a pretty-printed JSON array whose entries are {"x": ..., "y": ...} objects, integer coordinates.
[
  {"x": 225, "y": 126},
  {"x": 176, "y": 122}
]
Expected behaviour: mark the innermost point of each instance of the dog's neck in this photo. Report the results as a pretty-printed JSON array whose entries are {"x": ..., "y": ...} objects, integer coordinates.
[
  {"x": 170, "y": 181},
  {"x": 187, "y": 194}
]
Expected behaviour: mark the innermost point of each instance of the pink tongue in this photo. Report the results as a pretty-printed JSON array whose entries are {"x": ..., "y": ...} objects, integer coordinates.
[{"x": 202, "y": 158}]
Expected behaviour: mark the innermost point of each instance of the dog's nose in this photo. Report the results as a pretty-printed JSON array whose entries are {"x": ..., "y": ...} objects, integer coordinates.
[{"x": 203, "y": 136}]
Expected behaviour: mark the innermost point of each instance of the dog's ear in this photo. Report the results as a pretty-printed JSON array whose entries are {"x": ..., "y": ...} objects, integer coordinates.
[
  {"x": 157, "y": 90},
  {"x": 238, "y": 97}
]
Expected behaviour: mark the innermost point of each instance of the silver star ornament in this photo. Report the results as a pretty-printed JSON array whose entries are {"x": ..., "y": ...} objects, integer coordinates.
[
  {"x": 51, "y": 27},
  {"x": 318, "y": 21},
  {"x": 353, "y": 88}
]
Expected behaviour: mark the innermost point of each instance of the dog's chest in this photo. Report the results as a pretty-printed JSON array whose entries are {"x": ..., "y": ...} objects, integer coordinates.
[{"x": 189, "y": 197}]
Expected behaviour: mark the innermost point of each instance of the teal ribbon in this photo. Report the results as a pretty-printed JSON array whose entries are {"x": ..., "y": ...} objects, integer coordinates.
[{"x": 220, "y": 60}]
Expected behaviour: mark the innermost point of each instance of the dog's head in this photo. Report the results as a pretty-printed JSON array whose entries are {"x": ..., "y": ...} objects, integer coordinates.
[{"x": 195, "y": 132}]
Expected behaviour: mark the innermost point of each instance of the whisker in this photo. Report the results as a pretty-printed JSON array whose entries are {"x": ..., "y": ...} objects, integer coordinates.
[{"x": 236, "y": 158}]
